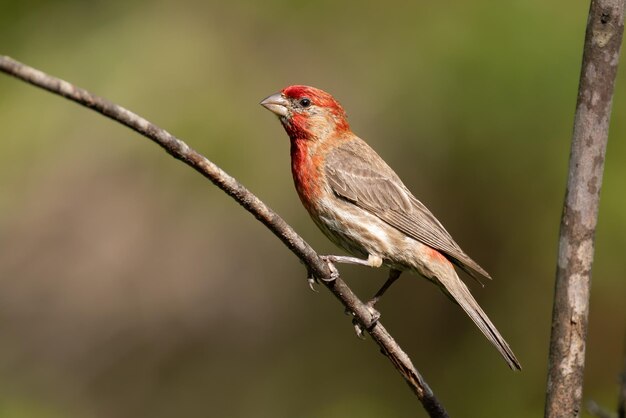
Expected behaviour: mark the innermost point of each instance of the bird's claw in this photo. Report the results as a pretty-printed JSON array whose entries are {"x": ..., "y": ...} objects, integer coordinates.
[
  {"x": 374, "y": 317},
  {"x": 334, "y": 273},
  {"x": 373, "y": 312},
  {"x": 312, "y": 280},
  {"x": 358, "y": 329}
]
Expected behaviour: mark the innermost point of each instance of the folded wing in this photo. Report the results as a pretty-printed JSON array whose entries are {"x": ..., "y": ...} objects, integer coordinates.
[{"x": 357, "y": 174}]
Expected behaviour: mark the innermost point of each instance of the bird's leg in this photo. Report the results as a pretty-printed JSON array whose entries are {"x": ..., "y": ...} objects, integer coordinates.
[
  {"x": 371, "y": 261},
  {"x": 393, "y": 276}
]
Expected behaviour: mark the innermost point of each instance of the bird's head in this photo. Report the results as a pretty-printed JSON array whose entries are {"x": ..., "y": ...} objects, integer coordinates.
[{"x": 307, "y": 113}]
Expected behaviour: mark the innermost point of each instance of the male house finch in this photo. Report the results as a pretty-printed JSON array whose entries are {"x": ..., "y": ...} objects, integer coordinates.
[{"x": 361, "y": 204}]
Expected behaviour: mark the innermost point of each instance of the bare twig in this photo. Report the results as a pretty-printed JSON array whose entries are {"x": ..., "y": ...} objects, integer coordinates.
[
  {"x": 597, "y": 411},
  {"x": 621, "y": 398},
  {"x": 603, "y": 39},
  {"x": 600, "y": 412},
  {"x": 179, "y": 150}
]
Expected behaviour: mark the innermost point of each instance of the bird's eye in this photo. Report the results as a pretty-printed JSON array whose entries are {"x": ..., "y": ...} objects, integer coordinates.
[{"x": 306, "y": 102}]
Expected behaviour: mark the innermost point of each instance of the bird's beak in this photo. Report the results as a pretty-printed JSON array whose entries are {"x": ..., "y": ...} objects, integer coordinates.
[{"x": 277, "y": 104}]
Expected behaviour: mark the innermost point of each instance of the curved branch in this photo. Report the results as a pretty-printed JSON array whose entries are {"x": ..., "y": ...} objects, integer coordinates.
[{"x": 181, "y": 151}]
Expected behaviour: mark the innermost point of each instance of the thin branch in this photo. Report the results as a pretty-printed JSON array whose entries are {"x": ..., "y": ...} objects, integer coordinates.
[
  {"x": 603, "y": 40},
  {"x": 597, "y": 411},
  {"x": 621, "y": 398},
  {"x": 600, "y": 412},
  {"x": 181, "y": 151}
]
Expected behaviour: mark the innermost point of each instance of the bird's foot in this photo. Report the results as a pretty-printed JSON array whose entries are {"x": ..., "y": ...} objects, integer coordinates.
[
  {"x": 358, "y": 329},
  {"x": 312, "y": 280},
  {"x": 330, "y": 262},
  {"x": 375, "y": 314},
  {"x": 374, "y": 317}
]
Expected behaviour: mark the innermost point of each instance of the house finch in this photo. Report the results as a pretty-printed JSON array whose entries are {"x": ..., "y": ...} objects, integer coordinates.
[{"x": 361, "y": 204}]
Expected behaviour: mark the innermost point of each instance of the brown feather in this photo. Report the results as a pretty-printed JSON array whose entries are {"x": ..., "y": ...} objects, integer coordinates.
[{"x": 358, "y": 174}]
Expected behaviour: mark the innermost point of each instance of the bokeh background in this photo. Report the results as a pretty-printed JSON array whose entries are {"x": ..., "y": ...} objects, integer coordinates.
[{"x": 132, "y": 287}]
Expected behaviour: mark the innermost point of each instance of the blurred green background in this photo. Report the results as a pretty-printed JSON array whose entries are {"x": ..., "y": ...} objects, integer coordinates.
[{"x": 130, "y": 286}]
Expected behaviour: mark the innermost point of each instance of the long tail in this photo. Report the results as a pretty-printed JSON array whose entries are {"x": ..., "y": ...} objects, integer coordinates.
[{"x": 452, "y": 285}]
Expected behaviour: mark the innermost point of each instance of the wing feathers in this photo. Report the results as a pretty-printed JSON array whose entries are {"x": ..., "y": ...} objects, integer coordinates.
[{"x": 356, "y": 173}]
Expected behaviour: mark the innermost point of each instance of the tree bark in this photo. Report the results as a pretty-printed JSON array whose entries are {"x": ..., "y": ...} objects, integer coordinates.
[{"x": 603, "y": 40}]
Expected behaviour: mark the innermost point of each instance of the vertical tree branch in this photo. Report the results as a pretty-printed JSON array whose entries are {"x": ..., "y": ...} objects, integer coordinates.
[
  {"x": 315, "y": 265},
  {"x": 603, "y": 40}
]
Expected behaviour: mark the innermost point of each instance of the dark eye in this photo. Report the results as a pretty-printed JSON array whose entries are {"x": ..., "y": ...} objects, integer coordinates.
[{"x": 306, "y": 102}]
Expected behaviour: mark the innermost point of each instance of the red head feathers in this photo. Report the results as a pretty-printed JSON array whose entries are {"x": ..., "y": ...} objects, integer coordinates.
[{"x": 307, "y": 112}]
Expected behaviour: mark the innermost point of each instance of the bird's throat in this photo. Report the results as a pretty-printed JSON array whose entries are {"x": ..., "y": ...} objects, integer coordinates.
[{"x": 306, "y": 169}]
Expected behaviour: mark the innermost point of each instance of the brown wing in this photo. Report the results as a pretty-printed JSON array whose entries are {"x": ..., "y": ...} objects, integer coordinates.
[{"x": 357, "y": 174}]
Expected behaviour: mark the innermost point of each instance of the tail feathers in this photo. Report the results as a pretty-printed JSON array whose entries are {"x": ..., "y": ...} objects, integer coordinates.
[{"x": 459, "y": 293}]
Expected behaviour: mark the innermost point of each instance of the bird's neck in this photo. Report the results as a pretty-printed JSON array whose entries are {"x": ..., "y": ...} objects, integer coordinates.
[
  {"x": 317, "y": 128},
  {"x": 311, "y": 139},
  {"x": 306, "y": 168}
]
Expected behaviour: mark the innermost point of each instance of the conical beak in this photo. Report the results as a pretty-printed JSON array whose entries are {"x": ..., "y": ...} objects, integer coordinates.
[{"x": 276, "y": 103}]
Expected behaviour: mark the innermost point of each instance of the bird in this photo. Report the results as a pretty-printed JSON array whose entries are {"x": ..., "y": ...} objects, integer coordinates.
[{"x": 360, "y": 204}]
